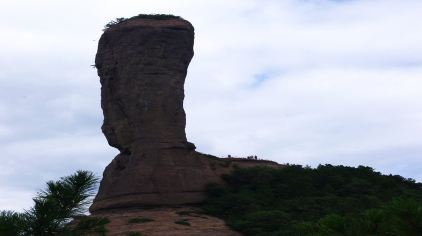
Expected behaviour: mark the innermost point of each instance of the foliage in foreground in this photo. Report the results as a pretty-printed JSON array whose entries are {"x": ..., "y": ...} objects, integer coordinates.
[
  {"x": 54, "y": 208},
  {"x": 328, "y": 200}
]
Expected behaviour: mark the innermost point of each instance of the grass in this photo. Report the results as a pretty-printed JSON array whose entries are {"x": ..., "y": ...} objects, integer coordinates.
[
  {"x": 182, "y": 222},
  {"x": 132, "y": 233},
  {"x": 192, "y": 213},
  {"x": 139, "y": 220},
  {"x": 184, "y": 213},
  {"x": 189, "y": 213},
  {"x": 91, "y": 224}
]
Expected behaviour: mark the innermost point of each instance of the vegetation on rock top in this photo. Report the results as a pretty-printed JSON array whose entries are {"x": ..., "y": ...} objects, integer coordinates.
[
  {"x": 141, "y": 16},
  {"x": 328, "y": 200}
]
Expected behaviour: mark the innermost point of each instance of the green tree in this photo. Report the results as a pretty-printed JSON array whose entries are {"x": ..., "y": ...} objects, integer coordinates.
[
  {"x": 53, "y": 208},
  {"x": 327, "y": 200},
  {"x": 11, "y": 223}
]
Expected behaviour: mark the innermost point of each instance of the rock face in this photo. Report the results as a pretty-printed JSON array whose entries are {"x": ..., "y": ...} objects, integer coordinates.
[
  {"x": 142, "y": 64},
  {"x": 163, "y": 222}
]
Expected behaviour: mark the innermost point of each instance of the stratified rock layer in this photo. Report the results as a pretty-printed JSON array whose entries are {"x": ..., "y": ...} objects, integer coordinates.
[{"x": 142, "y": 64}]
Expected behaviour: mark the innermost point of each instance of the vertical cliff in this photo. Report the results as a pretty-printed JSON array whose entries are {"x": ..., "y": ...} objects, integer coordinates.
[{"x": 142, "y": 64}]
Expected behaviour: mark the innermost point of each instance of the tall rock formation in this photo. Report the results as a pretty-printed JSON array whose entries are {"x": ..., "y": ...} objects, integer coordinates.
[{"x": 142, "y": 64}]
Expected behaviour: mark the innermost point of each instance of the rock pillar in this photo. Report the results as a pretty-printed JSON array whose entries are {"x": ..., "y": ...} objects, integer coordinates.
[{"x": 142, "y": 64}]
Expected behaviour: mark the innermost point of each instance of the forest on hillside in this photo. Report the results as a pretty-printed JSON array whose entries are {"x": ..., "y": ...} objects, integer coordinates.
[{"x": 327, "y": 200}]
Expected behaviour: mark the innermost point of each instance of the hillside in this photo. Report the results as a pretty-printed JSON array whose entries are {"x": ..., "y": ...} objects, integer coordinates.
[
  {"x": 292, "y": 200},
  {"x": 328, "y": 200}
]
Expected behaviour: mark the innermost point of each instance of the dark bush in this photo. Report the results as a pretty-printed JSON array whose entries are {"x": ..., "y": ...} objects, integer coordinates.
[
  {"x": 139, "y": 220},
  {"x": 327, "y": 200},
  {"x": 182, "y": 222}
]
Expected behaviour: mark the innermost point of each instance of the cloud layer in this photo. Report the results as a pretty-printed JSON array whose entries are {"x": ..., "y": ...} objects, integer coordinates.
[{"x": 304, "y": 82}]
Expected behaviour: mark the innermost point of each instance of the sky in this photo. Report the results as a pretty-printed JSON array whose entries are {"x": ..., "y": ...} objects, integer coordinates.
[{"x": 293, "y": 81}]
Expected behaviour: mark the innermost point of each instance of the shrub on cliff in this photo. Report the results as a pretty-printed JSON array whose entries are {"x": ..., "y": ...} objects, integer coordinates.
[
  {"x": 53, "y": 208},
  {"x": 328, "y": 200},
  {"x": 141, "y": 16}
]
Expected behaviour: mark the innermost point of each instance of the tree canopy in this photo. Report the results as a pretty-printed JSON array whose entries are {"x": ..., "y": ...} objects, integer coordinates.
[{"x": 328, "y": 200}]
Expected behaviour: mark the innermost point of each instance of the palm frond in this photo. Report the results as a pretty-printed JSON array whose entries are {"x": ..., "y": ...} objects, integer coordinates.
[{"x": 60, "y": 202}]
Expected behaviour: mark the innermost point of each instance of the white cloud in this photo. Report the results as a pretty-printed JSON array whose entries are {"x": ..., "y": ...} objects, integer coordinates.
[{"x": 293, "y": 81}]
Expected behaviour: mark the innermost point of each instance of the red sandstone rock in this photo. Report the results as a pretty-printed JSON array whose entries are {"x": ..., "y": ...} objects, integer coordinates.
[
  {"x": 142, "y": 64},
  {"x": 162, "y": 222}
]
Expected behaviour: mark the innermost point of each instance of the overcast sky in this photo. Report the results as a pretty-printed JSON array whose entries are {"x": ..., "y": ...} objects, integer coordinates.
[{"x": 300, "y": 81}]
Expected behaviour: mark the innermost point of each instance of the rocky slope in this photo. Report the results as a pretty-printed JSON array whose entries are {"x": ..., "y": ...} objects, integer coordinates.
[{"x": 183, "y": 221}]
